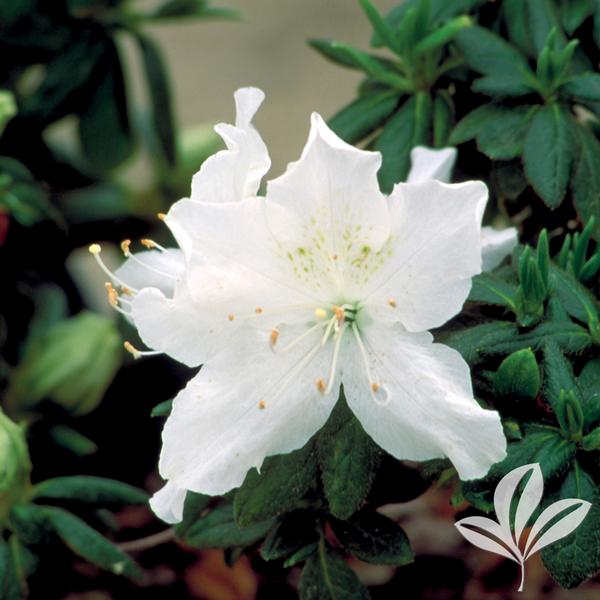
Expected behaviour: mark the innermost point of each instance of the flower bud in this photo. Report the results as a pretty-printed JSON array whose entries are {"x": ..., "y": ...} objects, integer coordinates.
[
  {"x": 8, "y": 108},
  {"x": 570, "y": 415},
  {"x": 518, "y": 375},
  {"x": 15, "y": 465},
  {"x": 71, "y": 363}
]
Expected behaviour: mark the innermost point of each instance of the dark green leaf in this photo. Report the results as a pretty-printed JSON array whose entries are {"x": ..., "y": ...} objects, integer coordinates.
[
  {"x": 503, "y": 85},
  {"x": 570, "y": 337},
  {"x": 589, "y": 378},
  {"x": 489, "y": 54},
  {"x": 88, "y": 543},
  {"x": 573, "y": 559},
  {"x": 10, "y": 586},
  {"x": 326, "y": 576},
  {"x": 362, "y": 116},
  {"x": 194, "y": 508},
  {"x": 191, "y": 8},
  {"x": 104, "y": 129},
  {"x": 294, "y": 532},
  {"x": 408, "y": 128},
  {"x": 281, "y": 486},
  {"x": 301, "y": 555},
  {"x": 542, "y": 18},
  {"x": 488, "y": 289},
  {"x": 509, "y": 180},
  {"x": 374, "y": 539},
  {"x": 72, "y": 440},
  {"x": 499, "y": 131},
  {"x": 163, "y": 409},
  {"x": 471, "y": 340},
  {"x": 548, "y": 171},
  {"x": 218, "y": 529},
  {"x": 160, "y": 96},
  {"x": 541, "y": 444},
  {"x": 558, "y": 375},
  {"x": 348, "y": 459},
  {"x": 381, "y": 26},
  {"x": 585, "y": 182},
  {"x": 89, "y": 489},
  {"x": 574, "y": 12},
  {"x": 584, "y": 87},
  {"x": 577, "y": 300}
]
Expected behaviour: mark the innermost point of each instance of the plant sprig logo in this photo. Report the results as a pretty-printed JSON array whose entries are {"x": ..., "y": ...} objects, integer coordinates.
[{"x": 503, "y": 537}]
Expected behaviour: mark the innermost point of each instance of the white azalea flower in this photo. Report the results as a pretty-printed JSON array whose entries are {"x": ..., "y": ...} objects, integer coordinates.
[
  {"x": 428, "y": 163},
  {"x": 282, "y": 299}
]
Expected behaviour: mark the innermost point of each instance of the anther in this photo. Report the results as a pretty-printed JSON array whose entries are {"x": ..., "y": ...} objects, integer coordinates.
[
  {"x": 375, "y": 387},
  {"x": 125, "y": 247},
  {"x": 148, "y": 243},
  {"x": 262, "y": 404},
  {"x": 113, "y": 296},
  {"x": 392, "y": 302},
  {"x": 231, "y": 317},
  {"x": 127, "y": 291},
  {"x": 258, "y": 310},
  {"x": 339, "y": 313},
  {"x": 320, "y": 313},
  {"x": 274, "y": 336},
  {"x": 161, "y": 216},
  {"x": 320, "y": 383},
  {"x": 132, "y": 349}
]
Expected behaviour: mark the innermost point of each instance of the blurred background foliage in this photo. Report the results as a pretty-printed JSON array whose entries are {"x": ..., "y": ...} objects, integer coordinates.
[{"x": 82, "y": 158}]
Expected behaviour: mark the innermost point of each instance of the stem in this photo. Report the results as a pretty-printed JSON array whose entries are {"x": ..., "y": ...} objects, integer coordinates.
[
  {"x": 148, "y": 542},
  {"x": 522, "y": 577}
]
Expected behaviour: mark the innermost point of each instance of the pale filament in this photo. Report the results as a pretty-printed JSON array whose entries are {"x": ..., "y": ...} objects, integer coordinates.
[
  {"x": 151, "y": 244},
  {"x": 125, "y": 248},
  {"x": 334, "y": 360},
  {"x": 139, "y": 353},
  {"x": 374, "y": 387},
  {"x": 295, "y": 342},
  {"x": 95, "y": 250},
  {"x": 261, "y": 311},
  {"x": 286, "y": 381}
]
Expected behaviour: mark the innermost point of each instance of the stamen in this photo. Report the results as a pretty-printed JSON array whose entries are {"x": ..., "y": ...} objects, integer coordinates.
[
  {"x": 138, "y": 353},
  {"x": 113, "y": 296},
  {"x": 295, "y": 342},
  {"x": 373, "y": 386},
  {"x": 258, "y": 310},
  {"x": 151, "y": 244},
  {"x": 330, "y": 326},
  {"x": 262, "y": 404},
  {"x": 392, "y": 302},
  {"x": 125, "y": 247},
  {"x": 274, "y": 337},
  {"x": 231, "y": 317},
  {"x": 320, "y": 383},
  {"x": 95, "y": 250},
  {"x": 336, "y": 352}
]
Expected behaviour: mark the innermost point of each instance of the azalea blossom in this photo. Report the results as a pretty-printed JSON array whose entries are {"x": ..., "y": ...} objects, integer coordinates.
[
  {"x": 429, "y": 163},
  {"x": 282, "y": 299}
]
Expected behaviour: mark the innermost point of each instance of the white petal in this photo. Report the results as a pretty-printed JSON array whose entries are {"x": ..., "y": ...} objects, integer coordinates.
[
  {"x": 496, "y": 245},
  {"x": 433, "y": 252},
  {"x": 430, "y": 411},
  {"x": 217, "y": 430},
  {"x": 338, "y": 216},
  {"x": 235, "y": 173},
  {"x": 168, "y": 503},
  {"x": 428, "y": 163},
  {"x": 153, "y": 269},
  {"x": 239, "y": 237}
]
